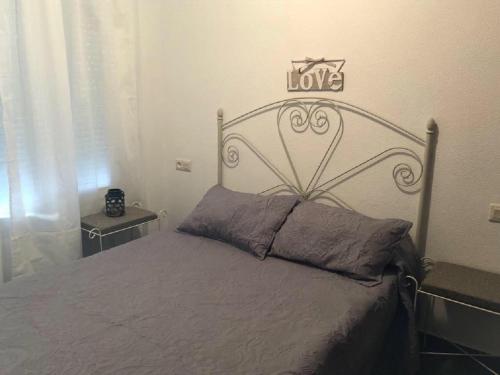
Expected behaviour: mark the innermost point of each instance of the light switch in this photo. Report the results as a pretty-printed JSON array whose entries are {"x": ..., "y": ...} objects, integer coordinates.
[
  {"x": 495, "y": 212},
  {"x": 183, "y": 165}
]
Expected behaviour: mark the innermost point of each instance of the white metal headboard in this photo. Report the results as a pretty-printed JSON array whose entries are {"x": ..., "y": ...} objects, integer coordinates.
[{"x": 310, "y": 114}]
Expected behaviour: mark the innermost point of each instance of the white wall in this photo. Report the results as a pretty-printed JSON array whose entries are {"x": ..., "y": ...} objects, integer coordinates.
[{"x": 406, "y": 60}]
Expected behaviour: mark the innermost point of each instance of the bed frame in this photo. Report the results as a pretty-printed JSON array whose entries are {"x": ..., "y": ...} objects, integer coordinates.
[{"x": 311, "y": 114}]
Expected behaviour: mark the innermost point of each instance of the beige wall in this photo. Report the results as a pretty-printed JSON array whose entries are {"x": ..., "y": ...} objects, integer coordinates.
[{"x": 406, "y": 60}]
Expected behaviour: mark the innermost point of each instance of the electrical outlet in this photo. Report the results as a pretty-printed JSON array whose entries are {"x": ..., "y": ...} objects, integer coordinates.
[
  {"x": 183, "y": 165},
  {"x": 495, "y": 212}
]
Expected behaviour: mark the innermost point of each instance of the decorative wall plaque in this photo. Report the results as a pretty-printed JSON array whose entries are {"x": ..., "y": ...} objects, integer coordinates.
[{"x": 316, "y": 75}]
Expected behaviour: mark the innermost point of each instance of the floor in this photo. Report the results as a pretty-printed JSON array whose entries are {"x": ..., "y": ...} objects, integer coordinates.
[{"x": 441, "y": 365}]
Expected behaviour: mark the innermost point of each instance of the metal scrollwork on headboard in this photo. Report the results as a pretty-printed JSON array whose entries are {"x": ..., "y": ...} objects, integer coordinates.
[
  {"x": 324, "y": 117},
  {"x": 312, "y": 116}
]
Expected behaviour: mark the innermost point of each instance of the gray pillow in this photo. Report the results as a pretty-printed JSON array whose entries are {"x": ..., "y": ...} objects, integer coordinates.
[
  {"x": 340, "y": 240},
  {"x": 247, "y": 221}
]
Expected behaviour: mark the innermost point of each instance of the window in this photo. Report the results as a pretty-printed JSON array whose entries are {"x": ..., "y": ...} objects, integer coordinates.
[{"x": 4, "y": 187}]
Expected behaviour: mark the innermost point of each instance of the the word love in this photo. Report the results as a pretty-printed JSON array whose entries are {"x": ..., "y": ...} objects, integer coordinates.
[{"x": 316, "y": 75}]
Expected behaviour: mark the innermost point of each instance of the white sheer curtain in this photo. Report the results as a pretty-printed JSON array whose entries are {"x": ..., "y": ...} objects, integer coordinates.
[{"x": 68, "y": 125}]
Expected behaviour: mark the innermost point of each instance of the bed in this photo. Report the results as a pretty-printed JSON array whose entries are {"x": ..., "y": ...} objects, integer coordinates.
[{"x": 174, "y": 303}]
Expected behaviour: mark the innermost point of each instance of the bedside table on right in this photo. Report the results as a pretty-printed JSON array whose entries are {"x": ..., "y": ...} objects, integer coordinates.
[{"x": 469, "y": 287}]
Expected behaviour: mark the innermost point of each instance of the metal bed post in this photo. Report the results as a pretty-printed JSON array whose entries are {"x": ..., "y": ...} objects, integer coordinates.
[
  {"x": 220, "y": 121},
  {"x": 162, "y": 214},
  {"x": 425, "y": 195},
  {"x": 424, "y": 203}
]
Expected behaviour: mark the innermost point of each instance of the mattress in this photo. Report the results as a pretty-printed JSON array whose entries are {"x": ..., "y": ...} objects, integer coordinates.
[{"x": 172, "y": 303}]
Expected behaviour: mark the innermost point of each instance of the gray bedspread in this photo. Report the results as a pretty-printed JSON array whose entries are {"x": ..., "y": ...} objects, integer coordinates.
[{"x": 173, "y": 303}]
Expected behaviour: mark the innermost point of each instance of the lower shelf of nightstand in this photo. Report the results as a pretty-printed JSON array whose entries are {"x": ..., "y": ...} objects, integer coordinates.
[
  {"x": 91, "y": 246},
  {"x": 456, "y": 365}
]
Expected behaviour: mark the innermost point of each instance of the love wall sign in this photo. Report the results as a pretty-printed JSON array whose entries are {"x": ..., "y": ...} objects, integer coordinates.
[{"x": 316, "y": 75}]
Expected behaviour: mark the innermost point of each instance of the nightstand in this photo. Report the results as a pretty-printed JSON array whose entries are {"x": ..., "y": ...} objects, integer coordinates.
[
  {"x": 475, "y": 289},
  {"x": 101, "y": 232}
]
